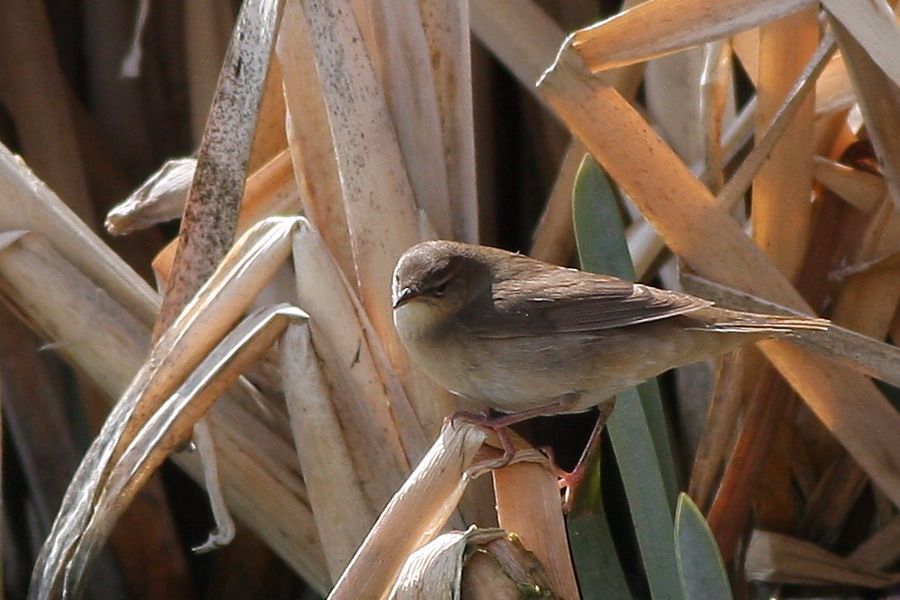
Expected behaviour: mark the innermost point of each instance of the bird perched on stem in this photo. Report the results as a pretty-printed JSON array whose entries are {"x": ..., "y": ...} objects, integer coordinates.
[{"x": 528, "y": 338}]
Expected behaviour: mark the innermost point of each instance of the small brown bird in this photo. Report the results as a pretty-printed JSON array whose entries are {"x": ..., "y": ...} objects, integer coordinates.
[{"x": 529, "y": 338}]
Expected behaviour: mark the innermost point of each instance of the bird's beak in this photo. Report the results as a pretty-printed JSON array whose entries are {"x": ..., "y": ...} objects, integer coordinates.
[{"x": 404, "y": 296}]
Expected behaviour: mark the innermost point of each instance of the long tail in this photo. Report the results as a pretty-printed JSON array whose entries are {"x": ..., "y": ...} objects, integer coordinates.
[{"x": 723, "y": 320}]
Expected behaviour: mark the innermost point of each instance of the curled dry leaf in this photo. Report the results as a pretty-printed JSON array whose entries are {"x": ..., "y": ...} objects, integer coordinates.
[
  {"x": 477, "y": 563},
  {"x": 170, "y": 427},
  {"x": 194, "y": 333},
  {"x": 160, "y": 198}
]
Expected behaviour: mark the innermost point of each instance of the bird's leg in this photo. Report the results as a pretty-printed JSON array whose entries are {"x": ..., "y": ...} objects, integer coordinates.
[
  {"x": 573, "y": 479},
  {"x": 500, "y": 424}
]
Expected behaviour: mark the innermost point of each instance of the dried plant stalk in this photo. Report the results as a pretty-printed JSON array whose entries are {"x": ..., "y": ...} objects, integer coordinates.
[
  {"x": 528, "y": 504},
  {"x": 30, "y": 205},
  {"x": 309, "y": 137},
  {"x": 414, "y": 516},
  {"x": 372, "y": 407},
  {"x": 342, "y": 514},
  {"x": 782, "y": 211}
]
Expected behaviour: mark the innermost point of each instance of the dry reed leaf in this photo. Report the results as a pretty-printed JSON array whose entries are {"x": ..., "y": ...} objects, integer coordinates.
[
  {"x": 171, "y": 426},
  {"x": 861, "y": 189},
  {"x": 36, "y": 98},
  {"x": 873, "y": 25},
  {"x": 782, "y": 189},
  {"x": 27, "y": 259},
  {"x": 687, "y": 217},
  {"x": 881, "y": 550},
  {"x": 28, "y": 204},
  {"x": 644, "y": 244},
  {"x": 661, "y": 27},
  {"x": 342, "y": 514},
  {"x": 414, "y": 515},
  {"x": 378, "y": 199},
  {"x": 159, "y": 199},
  {"x": 309, "y": 138},
  {"x": 402, "y": 61},
  {"x": 782, "y": 559},
  {"x": 879, "y": 100},
  {"x": 385, "y": 438},
  {"x": 210, "y": 217},
  {"x": 528, "y": 503},
  {"x": 261, "y": 481},
  {"x": 447, "y": 32}
]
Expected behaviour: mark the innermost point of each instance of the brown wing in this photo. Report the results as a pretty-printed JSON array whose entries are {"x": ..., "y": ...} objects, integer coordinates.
[{"x": 557, "y": 300}]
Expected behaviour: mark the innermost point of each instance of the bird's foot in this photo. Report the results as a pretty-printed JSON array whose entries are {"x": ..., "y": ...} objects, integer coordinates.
[{"x": 498, "y": 425}]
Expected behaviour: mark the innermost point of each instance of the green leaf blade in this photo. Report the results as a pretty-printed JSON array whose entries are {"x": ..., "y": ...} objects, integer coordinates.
[{"x": 700, "y": 566}]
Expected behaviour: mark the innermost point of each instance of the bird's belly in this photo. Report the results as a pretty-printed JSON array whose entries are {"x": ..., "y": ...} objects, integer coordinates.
[
  {"x": 514, "y": 374},
  {"x": 519, "y": 373}
]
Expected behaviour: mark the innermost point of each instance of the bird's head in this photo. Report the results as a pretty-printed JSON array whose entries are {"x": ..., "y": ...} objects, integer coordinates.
[{"x": 436, "y": 280}]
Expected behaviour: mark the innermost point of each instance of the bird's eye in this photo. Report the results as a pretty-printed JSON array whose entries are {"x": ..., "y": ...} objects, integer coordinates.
[{"x": 441, "y": 288}]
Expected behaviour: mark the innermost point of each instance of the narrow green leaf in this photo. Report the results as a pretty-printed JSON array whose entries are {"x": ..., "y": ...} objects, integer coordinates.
[
  {"x": 637, "y": 427},
  {"x": 593, "y": 550},
  {"x": 700, "y": 565}
]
